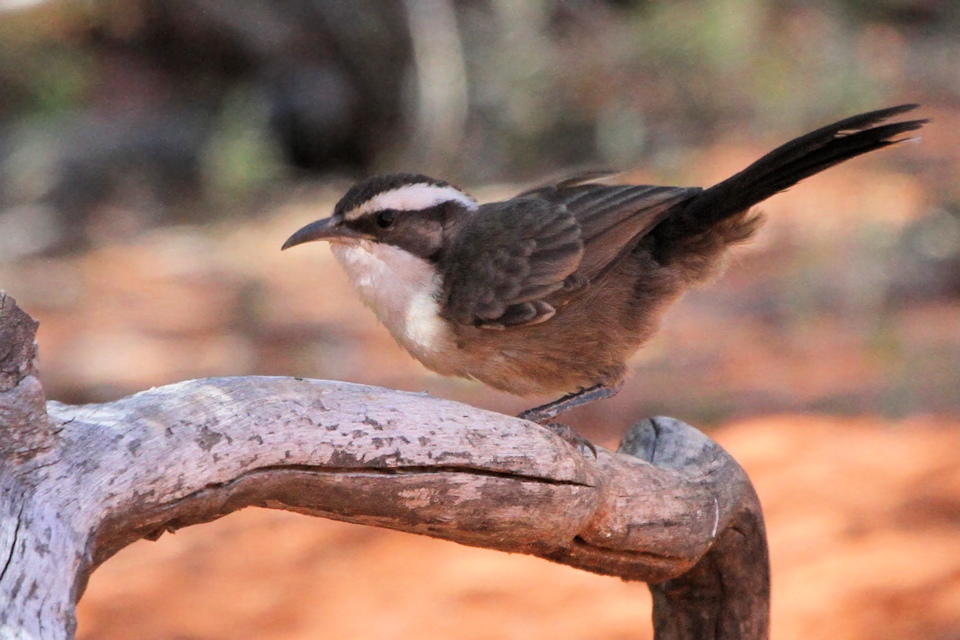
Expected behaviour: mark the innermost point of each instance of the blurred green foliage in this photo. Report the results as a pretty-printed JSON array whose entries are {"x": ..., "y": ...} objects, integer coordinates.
[{"x": 265, "y": 91}]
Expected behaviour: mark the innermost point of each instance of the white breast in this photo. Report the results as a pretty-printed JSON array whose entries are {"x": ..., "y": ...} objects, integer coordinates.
[{"x": 403, "y": 291}]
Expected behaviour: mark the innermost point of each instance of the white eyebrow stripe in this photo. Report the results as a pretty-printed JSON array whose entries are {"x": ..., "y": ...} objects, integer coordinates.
[{"x": 412, "y": 197}]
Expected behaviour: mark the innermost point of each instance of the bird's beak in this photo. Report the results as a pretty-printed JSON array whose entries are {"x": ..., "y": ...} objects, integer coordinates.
[{"x": 326, "y": 229}]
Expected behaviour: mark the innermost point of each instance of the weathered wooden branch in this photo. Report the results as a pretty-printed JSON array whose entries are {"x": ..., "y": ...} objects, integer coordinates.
[{"x": 79, "y": 483}]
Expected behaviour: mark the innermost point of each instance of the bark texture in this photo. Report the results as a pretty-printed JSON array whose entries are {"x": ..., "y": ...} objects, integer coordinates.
[{"x": 79, "y": 483}]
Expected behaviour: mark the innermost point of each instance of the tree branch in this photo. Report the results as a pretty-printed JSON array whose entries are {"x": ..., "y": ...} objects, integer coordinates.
[{"x": 676, "y": 511}]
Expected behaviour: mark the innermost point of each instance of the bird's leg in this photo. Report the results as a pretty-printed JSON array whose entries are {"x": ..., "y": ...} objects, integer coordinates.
[
  {"x": 549, "y": 411},
  {"x": 543, "y": 414}
]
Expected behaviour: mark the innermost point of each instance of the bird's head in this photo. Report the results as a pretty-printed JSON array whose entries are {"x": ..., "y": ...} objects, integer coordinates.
[{"x": 409, "y": 211}]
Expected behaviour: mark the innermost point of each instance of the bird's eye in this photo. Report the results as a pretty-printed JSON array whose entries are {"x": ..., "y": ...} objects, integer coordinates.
[{"x": 386, "y": 217}]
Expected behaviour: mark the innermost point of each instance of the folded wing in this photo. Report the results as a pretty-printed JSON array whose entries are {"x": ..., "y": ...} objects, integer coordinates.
[{"x": 514, "y": 261}]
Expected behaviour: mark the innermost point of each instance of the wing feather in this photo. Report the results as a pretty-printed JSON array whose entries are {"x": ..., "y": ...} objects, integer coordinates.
[
  {"x": 512, "y": 262},
  {"x": 506, "y": 259}
]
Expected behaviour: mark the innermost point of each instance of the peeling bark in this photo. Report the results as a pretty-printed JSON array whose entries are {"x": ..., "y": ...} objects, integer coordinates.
[{"x": 79, "y": 483}]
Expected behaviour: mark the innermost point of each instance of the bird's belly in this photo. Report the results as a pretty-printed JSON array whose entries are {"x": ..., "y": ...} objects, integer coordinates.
[
  {"x": 547, "y": 363},
  {"x": 560, "y": 355},
  {"x": 522, "y": 361},
  {"x": 586, "y": 343}
]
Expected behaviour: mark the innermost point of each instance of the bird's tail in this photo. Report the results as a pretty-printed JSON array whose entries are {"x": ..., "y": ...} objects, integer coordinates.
[
  {"x": 693, "y": 237},
  {"x": 801, "y": 158}
]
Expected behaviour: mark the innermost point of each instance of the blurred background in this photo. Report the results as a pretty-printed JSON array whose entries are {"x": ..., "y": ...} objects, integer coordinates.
[{"x": 155, "y": 154}]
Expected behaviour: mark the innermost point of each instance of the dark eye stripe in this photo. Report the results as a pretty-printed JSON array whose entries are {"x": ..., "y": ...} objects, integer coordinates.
[{"x": 386, "y": 218}]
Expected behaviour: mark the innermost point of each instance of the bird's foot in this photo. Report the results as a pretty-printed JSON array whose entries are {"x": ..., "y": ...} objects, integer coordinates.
[
  {"x": 571, "y": 435},
  {"x": 544, "y": 414}
]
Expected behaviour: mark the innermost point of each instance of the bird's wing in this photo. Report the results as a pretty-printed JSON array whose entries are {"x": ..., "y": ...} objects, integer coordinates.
[
  {"x": 550, "y": 188},
  {"x": 511, "y": 262},
  {"x": 613, "y": 218},
  {"x": 506, "y": 259}
]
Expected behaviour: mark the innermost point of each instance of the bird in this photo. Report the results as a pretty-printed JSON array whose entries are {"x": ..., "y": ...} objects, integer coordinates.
[{"x": 551, "y": 291}]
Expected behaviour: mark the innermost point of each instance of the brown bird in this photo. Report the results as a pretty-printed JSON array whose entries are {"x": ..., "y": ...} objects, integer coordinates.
[{"x": 552, "y": 290}]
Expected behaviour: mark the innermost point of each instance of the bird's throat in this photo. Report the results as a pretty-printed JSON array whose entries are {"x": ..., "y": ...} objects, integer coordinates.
[{"x": 403, "y": 291}]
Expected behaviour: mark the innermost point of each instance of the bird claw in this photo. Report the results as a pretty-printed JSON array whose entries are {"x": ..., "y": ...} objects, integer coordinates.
[
  {"x": 571, "y": 435},
  {"x": 542, "y": 416}
]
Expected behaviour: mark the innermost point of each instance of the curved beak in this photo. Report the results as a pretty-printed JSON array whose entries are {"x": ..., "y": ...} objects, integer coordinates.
[{"x": 326, "y": 229}]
